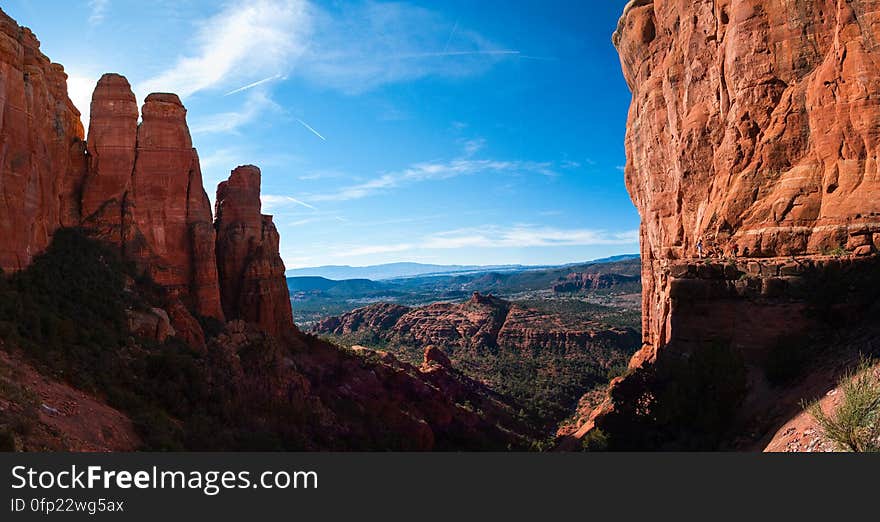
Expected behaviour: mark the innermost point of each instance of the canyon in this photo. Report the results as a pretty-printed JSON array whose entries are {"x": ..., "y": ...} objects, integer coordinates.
[
  {"x": 143, "y": 318},
  {"x": 752, "y": 141},
  {"x": 544, "y": 360}
]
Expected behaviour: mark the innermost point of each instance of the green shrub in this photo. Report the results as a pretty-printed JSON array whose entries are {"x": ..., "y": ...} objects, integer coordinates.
[
  {"x": 595, "y": 440},
  {"x": 838, "y": 251},
  {"x": 855, "y": 424}
]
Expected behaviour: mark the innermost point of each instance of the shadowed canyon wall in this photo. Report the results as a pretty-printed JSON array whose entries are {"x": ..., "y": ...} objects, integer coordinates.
[
  {"x": 754, "y": 130},
  {"x": 42, "y": 152}
]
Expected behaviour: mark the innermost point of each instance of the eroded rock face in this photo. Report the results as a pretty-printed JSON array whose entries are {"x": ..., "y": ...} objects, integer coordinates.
[
  {"x": 170, "y": 233},
  {"x": 752, "y": 132},
  {"x": 252, "y": 283},
  {"x": 42, "y": 153},
  {"x": 580, "y": 281},
  {"x": 753, "y": 126},
  {"x": 112, "y": 143}
]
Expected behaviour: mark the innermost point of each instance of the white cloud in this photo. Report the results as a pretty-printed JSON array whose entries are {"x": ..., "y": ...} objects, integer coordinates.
[
  {"x": 434, "y": 171},
  {"x": 257, "y": 103},
  {"x": 352, "y": 48},
  {"x": 311, "y": 129},
  {"x": 240, "y": 42},
  {"x": 522, "y": 236},
  {"x": 373, "y": 44},
  {"x": 474, "y": 146},
  {"x": 254, "y": 84},
  {"x": 98, "y": 11},
  {"x": 490, "y": 237}
]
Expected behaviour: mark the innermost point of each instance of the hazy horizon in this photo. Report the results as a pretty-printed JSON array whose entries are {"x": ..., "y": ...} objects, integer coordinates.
[{"x": 487, "y": 133}]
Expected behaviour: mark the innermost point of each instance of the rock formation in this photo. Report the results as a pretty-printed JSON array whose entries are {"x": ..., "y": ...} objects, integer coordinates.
[
  {"x": 143, "y": 191},
  {"x": 753, "y": 133},
  {"x": 580, "y": 282},
  {"x": 253, "y": 286},
  {"x": 481, "y": 323},
  {"x": 112, "y": 143},
  {"x": 42, "y": 153},
  {"x": 170, "y": 234},
  {"x": 137, "y": 185}
]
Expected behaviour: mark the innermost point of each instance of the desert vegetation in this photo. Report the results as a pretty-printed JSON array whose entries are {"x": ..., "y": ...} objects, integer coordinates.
[{"x": 855, "y": 424}]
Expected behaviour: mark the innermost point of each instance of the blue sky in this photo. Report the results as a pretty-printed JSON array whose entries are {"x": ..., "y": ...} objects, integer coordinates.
[{"x": 460, "y": 132}]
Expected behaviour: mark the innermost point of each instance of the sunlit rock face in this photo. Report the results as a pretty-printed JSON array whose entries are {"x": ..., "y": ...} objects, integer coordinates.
[
  {"x": 753, "y": 126},
  {"x": 753, "y": 130}
]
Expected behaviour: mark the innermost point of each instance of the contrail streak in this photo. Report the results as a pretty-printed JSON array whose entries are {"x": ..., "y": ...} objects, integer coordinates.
[
  {"x": 306, "y": 125},
  {"x": 298, "y": 202},
  {"x": 451, "y": 34},
  {"x": 252, "y": 85}
]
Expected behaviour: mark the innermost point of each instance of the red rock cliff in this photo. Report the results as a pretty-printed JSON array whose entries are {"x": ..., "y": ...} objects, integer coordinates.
[
  {"x": 144, "y": 191},
  {"x": 252, "y": 282},
  {"x": 753, "y": 124},
  {"x": 138, "y": 185},
  {"x": 171, "y": 232},
  {"x": 42, "y": 153},
  {"x": 112, "y": 144},
  {"x": 754, "y": 128}
]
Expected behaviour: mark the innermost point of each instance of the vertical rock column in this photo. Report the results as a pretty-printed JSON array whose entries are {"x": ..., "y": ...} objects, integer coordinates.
[
  {"x": 111, "y": 145},
  {"x": 170, "y": 232},
  {"x": 252, "y": 282}
]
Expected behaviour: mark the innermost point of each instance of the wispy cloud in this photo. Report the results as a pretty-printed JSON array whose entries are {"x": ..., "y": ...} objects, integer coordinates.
[
  {"x": 312, "y": 130},
  {"x": 98, "y": 11},
  {"x": 420, "y": 172},
  {"x": 474, "y": 146},
  {"x": 353, "y": 49},
  {"x": 239, "y": 42},
  {"x": 523, "y": 236},
  {"x": 322, "y": 174},
  {"x": 492, "y": 237},
  {"x": 374, "y": 44},
  {"x": 257, "y": 103}
]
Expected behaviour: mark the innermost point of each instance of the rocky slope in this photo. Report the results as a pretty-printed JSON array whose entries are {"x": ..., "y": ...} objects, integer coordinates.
[
  {"x": 53, "y": 416},
  {"x": 753, "y": 131}
]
